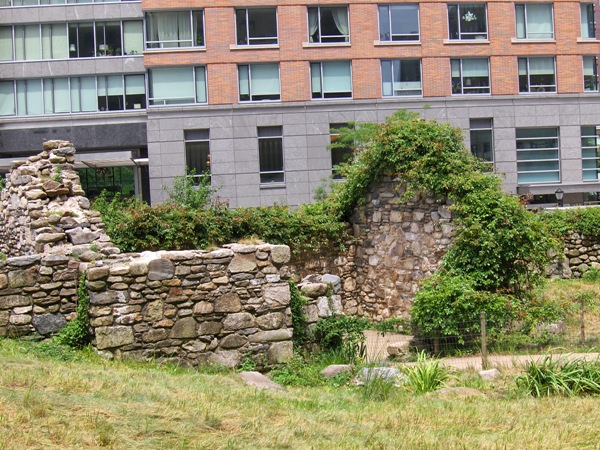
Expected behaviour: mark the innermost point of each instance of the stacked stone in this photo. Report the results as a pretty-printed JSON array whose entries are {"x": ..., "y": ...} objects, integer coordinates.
[
  {"x": 399, "y": 243},
  {"x": 44, "y": 209},
  {"x": 194, "y": 307},
  {"x": 323, "y": 297},
  {"x": 37, "y": 294},
  {"x": 583, "y": 253}
]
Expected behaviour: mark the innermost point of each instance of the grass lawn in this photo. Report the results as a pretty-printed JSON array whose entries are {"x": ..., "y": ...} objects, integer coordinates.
[{"x": 88, "y": 402}]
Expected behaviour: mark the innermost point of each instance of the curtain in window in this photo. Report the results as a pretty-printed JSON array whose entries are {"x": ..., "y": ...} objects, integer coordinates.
[
  {"x": 27, "y": 42},
  {"x": 589, "y": 66},
  {"x": 541, "y": 66},
  {"x": 477, "y": 67},
  {"x": 6, "y": 44},
  {"x": 336, "y": 76},
  {"x": 134, "y": 84},
  {"x": 171, "y": 85},
  {"x": 244, "y": 80},
  {"x": 200, "y": 85},
  {"x": 166, "y": 26},
  {"x": 386, "y": 78},
  {"x": 83, "y": 94},
  {"x": 264, "y": 79},
  {"x": 315, "y": 78},
  {"x": 110, "y": 85},
  {"x": 7, "y": 98},
  {"x": 29, "y": 97},
  {"x": 56, "y": 96},
  {"x": 133, "y": 37},
  {"x": 185, "y": 29},
  {"x": 313, "y": 22},
  {"x": 340, "y": 17},
  {"x": 539, "y": 21},
  {"x": 55, "y": 42}
]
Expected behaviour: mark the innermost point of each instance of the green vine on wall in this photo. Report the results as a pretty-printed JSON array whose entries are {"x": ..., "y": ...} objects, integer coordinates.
[{"x": 76, "y": 333}]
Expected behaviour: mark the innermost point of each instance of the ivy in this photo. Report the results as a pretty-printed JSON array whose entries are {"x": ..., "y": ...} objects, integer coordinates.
[
  {"x": 299, "y": 320},
  {"x": 563, "y": 222},
  {"x": 76, "y": 333}
]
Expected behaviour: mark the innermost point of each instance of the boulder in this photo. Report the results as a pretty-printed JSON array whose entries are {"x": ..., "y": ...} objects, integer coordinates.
[
  {"x": 48, "y": 323},
  {"x": 259, "y": 381},
  {"x": 335, "y": 369}
]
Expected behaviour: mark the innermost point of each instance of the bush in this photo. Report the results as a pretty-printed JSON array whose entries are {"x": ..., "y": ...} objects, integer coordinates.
[
  {"x": 563, "y": 222},
  {"x": 191, "y": 190},
  {"x": 343, "y": 335},
  {"x": 427, "y": 375},
  {"x": 299, "y": 324}
]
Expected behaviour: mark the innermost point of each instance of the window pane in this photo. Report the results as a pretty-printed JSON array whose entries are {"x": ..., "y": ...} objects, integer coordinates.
[
  {"x": 539, "y": 21},
  {"x": 262, "y": 26},
  {"x": 6, "y": 53},
  {"x": 538, "y": 155},
  {"x": 264, "y": 80},
  {"x": 197, "y": 157},
  {"x": 336, "y": 76},
  {"x": 588, "y": 23},
  {"x": 404, "y": 22},
  {"x": 135, "y": 92},
  {"x": 7, "y": 98},
  {"x": 133, "y": 37},
  {"x": 171, "y": 85},
  {"x": 200, "y": 84},
  {"x": 270, "y": 153},
  {"x": 590, "y": 73}
]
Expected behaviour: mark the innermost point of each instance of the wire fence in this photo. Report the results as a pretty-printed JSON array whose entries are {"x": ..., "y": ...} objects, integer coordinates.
[{"x": 476, "y": 346}]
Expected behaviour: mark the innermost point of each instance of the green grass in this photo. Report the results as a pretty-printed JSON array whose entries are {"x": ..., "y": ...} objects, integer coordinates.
[{"x": 47, "y": 402}]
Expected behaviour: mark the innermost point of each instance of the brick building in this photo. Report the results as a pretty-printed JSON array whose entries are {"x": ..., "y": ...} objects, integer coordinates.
[{"x": 255, "y": 90}]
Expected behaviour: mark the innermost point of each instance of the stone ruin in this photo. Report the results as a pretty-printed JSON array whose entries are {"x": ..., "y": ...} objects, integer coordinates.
[{"x": 43, "y": 209}]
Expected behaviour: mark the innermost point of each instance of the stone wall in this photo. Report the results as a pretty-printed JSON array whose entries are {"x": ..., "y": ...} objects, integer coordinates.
[
  {"x": 43, "y": 209},
  {"x": 583, "y": 253}
]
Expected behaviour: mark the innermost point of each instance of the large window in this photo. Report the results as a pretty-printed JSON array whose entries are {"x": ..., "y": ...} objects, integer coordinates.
[
  {"x": 168, "y": 29},
  {"x": 467, "y": 21},
  {"x": 259, "y": 82},
  {"x": 590, "y": 73},
  {"x": 328, "y": 24},
  {"x": 590, "y": 155},
  {"x": 537, "y": 74},
  {"x": 401, "y": 77},
  {"x": 482, "y": 139},
  {"x": 331, "y": 79},
  {"x": 176, "y": 85},
  {"x": 114, "y": 180},
  {"x": 537, "y": 155},
  {"x": 588, "y": 22},
  {"x": 72, "y": 95},
  {"x": 534, "y": 21},
  {"x": 340, "y": 154},
  {"x": 256, "y": 26},
  {"x": 270, "y": 154},
  {"x": 399, "y": 22},
  {"x": 197, "y": 153},
  {"x": 470, "y": 76}
]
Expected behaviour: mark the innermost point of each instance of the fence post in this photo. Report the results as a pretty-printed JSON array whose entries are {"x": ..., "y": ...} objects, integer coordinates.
[{"x": 484, "y": 354}]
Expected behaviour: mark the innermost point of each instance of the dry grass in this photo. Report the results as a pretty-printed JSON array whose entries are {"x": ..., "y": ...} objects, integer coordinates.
[{"x": 45, "y": 403}]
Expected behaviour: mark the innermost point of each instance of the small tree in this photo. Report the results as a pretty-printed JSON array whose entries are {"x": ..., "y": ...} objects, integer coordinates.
[{"x": 192, "y": 190}]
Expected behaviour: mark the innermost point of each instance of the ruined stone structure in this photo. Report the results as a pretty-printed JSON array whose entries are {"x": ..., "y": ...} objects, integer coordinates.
[{"x": 583, "y": 253}]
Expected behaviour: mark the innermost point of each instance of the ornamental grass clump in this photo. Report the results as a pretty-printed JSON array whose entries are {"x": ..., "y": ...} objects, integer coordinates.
[{"x": 427, "y": 375}]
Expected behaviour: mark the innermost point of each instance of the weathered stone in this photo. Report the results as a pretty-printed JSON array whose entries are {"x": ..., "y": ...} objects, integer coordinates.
[
  {"x": 79, "y": 236},
  {"x": 229, "y": 302},
  {"x": 335, "y": 369},
  {"x": 184, "y": 328},
  {"x": 209, "y": 328},
  {"x": 280, "y": 254},
  {"x": 48, "y": 323},
  {"x": 227, "y": 358},
  {"x": 44, "y": 238},
  {"x": 233, "y": 341},
  {"x": 4, "y": 318},
  {"x": 155, "y": 335},
  {"x": 22, "y": 309},
  {"x": 153, "y": 311},
  {"x": 489, "y": 375},
  {"x": 324, "y": 307},
  {"x": 238, "y": 321},
  {"x": 194, "y": 346},
  {"x": 116, "y": 336},
  {"x": 108, "y": 297},
  {"x": 3, "y": 281},
  {"x": 271, "y": 321},
  {"x": 276, "y": 295},
  {"x": 89, "y": 256},
  {"x": 160, "y": 269},
  {"x": 138, "y": 268},
  {"x": 23, "y": 261},
  {"x": 97, "y": 273},
  {"x": 314, "y": 290},
  {"x": 259, "y": 381},
  {"x": 280, "y": 352},
  {"x": 203, "y": 308},
  {"x": 334, "y": 281},
  {"x": 272, "y": 335},
  {"x": 21, "y": 278},
  {"x": 242, "y": 263},
  {"x": 19, "y": 319}
]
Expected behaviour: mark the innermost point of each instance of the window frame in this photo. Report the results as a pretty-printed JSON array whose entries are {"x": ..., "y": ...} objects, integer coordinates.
[
  {"x": 247, "y": 41},
  {"x": 172, "y": 100},
  {"x": 341, "y": 154},
  {"x": 477, "y": 125},
  {"x": 402, "y": 37},
  {"x": 331, "y": 39},
  {"x": 392, "y": 73},
  {"x": 195, "y": 39},
  {"x": 329, "y": 94},
  {"x": 466, "y": 89},
  {"x": 538, "y": 88},
  {"x": 588, "y": 25},
  {"x": 591, "y": 84},
  {"x": 270, "y": 134},
  {"x": 465, "y": 36},
  {"x": 595, "y": 150},
  {"x": 527, "y": 35},
  {"x": 259, "y": 97},
  {"x": 537, "y": 147},
  {"x": 197, "y": 136}
]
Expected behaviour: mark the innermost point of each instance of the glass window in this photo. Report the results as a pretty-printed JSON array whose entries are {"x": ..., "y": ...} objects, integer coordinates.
[
  {"x": 270, "y": 154},
  {"x": 108, "y": 39},
  {"x": 167, "y": 29},
  {"x": 110, "y": 93},
  {"x": 467, "y": 21},
  {"x": 29, "y": 97},
  {"x": 331, "y": 79},
  {"x": 537, "y": 74},
  {"x": 534, "y": 21},
  {"x": 588, "y": 21},
  {"x": 339, "y": 154},
  {"x": 27, "y": 42},
  {"x": 56, "y": 96},
  {"x": 6, "y": 44},
  {"x": 401, "y": 77},
  {"x": 55, "y": 41},
  {"x": 537, "y": 155},
  {"x": 135, "y": 92},
  {"x": 81, "y": 40},
  {"x": 197, "y": 153},
  {"x": 259, "y": 82},
  {"x": 256, "y": 26},
  {"x": 399, "y": 22},
  {"x": 114, "y": 180},
  {"x": 470, "y": 76},
  {"x": 176, "y": 85},
  {"x": 133, "y": 37},
  {"x": 482, "y": 139},
  {"x": 328, "y": 24},
  {"x": 590, "y": 155},
  {"x": 7, "y": 98},
  {"x": 590, "y": 73}
]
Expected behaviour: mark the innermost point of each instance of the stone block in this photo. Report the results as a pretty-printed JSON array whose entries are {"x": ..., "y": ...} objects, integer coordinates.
[
  {"x": 209, "y": 328},
  {"x": 113, "y": 337},
  {"x": 23, "y": 261},
  {"x": 97, "y": 273},
  {"x": 489, "y": 375},
  {"x": 12, "y": 301},
  {"x": 108, "y": 297},
  {"x": 229, "y": 302},
  {"x": 243, "y": 263},
  {"x": 19, "y": 319},
  {"x": 184, "y": 328},
  {"x": 22, "y": 278},
  {"x": 280, "y": 352},
  {"x": 160, "y": 269},
  {"x": 155, "y": 335},
  {"x": 79, "y": 236},
  {"x": 239, "y": 321},
  {"x": 276, "y": 295},
  {"x": 153, "y": 311},
  {"x": 314, "y": 290},
  {"x": 3, "y": 281},
  {"x": 335, "y": 369},
  {"x": 272, "y": 335},
  {"x": 233, "y": 341},
  {"x": 259, "y": 381},
  {"x": 203, "y": 308},
  {"x": 4, "y": 318},
  {"x": 138, "y": 268},
  {"x": 271, "y": 321},
  {"x": 227, "y": 358},
  {"x": 280, "y": 254}
]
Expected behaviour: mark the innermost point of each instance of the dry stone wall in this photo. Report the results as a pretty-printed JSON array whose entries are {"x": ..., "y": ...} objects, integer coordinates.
[{"x": 583, "y": 253}]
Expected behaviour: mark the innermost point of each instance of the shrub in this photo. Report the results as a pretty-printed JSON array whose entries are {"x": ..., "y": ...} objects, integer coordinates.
[
  {"x": 563, "y": 222},
  {"x": 191, "y": 190},
  {"x": 344, "y": 335}
]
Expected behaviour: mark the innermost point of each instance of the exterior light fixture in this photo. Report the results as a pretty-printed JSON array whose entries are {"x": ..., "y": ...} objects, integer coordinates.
[{"x": 559, "y": 196}]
